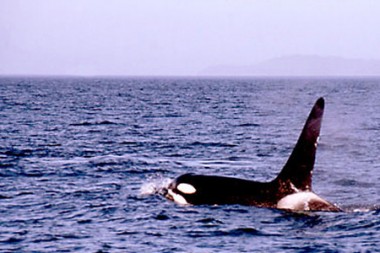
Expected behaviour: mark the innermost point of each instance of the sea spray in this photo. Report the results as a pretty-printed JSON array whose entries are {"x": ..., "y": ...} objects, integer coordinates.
[{"x": 154, "y": 185}]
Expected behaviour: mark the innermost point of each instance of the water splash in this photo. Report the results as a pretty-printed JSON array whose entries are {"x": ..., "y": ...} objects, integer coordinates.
[
  {"x": 155, "y": 185},
  {"x": 361, "y": 208}
]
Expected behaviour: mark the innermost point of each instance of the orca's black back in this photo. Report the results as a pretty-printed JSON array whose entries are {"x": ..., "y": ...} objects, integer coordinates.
[{"x": 228, "y": 190}]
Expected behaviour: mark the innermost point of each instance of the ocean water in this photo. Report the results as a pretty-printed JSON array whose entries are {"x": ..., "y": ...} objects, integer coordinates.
[{"x": 82, "y": 160}]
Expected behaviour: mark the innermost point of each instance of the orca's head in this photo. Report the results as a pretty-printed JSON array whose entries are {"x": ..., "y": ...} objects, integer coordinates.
[{"x": 181, "y": 189}]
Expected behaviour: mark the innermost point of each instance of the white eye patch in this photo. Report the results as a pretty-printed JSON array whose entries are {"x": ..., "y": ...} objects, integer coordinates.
[{"x": 186, "y": 188}]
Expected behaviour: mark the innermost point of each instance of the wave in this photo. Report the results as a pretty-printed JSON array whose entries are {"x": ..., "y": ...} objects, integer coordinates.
[{"x": 89, "y": 123}]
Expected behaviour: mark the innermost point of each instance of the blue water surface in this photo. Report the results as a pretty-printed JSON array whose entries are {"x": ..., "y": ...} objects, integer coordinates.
[{"x": 82, "y": 159}]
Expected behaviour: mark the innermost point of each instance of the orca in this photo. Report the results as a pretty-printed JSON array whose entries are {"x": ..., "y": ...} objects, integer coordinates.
[{"x": 290, "y": 190}]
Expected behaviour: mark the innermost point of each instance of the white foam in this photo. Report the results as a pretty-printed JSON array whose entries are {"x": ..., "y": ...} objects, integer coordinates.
[{"x": 154, "y": 186}]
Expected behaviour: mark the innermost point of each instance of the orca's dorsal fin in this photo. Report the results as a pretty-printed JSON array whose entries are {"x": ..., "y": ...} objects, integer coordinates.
[{"x": 297, "y": 172}]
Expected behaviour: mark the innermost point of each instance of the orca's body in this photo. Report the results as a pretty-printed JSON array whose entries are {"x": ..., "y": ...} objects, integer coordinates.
[{"x": 291, "y": 189}]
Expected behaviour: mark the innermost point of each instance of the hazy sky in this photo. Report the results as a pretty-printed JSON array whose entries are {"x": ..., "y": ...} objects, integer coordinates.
[{"x": 178, "y": 37}]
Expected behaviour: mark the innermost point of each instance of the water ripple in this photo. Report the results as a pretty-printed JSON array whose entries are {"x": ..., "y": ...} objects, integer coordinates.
[{"x": 82, "y": 161}]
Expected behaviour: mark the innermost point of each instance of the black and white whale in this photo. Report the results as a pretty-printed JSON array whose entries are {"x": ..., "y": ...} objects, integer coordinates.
[{"x": 290, "y": 190}]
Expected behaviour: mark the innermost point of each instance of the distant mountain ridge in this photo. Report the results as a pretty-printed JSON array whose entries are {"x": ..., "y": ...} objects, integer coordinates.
[{"x": 300, "y": 65}]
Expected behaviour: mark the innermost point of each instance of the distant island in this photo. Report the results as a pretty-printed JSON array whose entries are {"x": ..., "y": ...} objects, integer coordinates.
[{"x": 300, "y": 65}]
